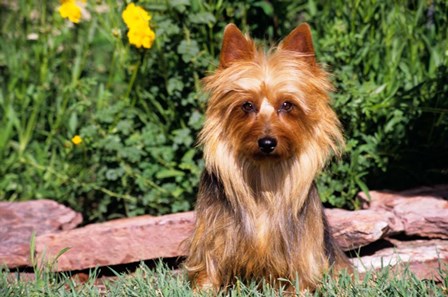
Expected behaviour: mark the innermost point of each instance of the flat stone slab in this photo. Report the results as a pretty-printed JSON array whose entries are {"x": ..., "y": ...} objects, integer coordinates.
[
  {"x": 423, "y": 257},
  {"x": 135, "y": 239},
  {"x": 142, "y": 238},
  {"x": 117, "y": 242},
  {"x": 355, "y": 229},
  {"x": 18, "y": 221},
  {"x": 433, "y": 191},
  {"x": 424, "y": 216}
]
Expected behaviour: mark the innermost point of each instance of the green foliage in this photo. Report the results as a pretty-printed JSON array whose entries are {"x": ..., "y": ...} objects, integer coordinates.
[
  {"x": 390, "y": 63},
  {"x": 160, "y": 281},
  {"x": 138, "y": 111}
]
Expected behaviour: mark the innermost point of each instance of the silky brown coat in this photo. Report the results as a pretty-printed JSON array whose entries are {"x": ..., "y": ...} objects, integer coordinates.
[{"x": 259, "y": 215}]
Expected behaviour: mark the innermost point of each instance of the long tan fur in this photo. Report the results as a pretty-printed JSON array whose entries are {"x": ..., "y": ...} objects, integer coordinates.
[{"x": 259, "y": 216}]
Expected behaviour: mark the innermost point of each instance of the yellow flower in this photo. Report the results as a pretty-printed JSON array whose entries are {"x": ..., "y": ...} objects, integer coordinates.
[
  {"x": 135, "y": 16},
  {"x": 141, "y": 36},
  {"x": 69, "y": 9},
  {"x": 76, "y": 140},
  {"x": 137, "y": 19}
]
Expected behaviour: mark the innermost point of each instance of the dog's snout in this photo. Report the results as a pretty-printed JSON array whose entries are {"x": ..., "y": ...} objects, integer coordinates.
[{"x": 267, "y": 144}]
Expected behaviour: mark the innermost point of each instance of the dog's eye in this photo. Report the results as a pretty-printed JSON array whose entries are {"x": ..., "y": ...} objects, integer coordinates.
[
  {"x": 286, "y": 106},
  {"x": 248, "y": 106}
]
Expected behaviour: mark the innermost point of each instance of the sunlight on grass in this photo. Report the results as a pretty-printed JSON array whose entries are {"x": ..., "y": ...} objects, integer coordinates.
[{"x": 161, "y": 281}]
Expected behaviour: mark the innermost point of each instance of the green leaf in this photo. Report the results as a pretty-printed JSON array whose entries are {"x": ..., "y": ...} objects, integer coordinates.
[
  {"x": 183, "y": 136},
  {"x": 362, "y": 186},
  {"x": 168, "y": 173},
  {"x": 196, "y": 120},
  {"x": 205, "y": 18},
  {"x": 179, "y": 5},
  {"x": 174, "y": 85},
  {"x": 266, "y": 6},
  {"x": 125, "y": 127},
  {"x": 73, "y": 123},
  {"x": 188, "y": 156},
  {"x": 189, "y": 49}
]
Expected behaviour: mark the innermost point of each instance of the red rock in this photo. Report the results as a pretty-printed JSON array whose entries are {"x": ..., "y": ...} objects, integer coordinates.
[
  {"x": 423, "y": 216},
  {"x": 18, "y": 220},
  {"x": 433, "y": 191},
  {"x": 117, "y": 242},
  {"x": 354, "y": 229},
  {"x": 424, "y": 257},
  {"x": 142, "y": 238}
]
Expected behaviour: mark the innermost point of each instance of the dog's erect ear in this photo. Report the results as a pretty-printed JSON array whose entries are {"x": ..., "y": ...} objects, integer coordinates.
[
  {"x": 235, "y": 47},
  {"x": 300, "y": 40}
]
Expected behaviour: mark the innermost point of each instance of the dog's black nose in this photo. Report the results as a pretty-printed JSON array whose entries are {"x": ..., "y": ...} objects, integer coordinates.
[{"x": 267, "y": 144}]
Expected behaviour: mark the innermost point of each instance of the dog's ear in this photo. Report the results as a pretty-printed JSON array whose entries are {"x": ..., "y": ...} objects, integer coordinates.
[
  {"x": 301, "y": 41},
  {"x": 235, "y": 47}
]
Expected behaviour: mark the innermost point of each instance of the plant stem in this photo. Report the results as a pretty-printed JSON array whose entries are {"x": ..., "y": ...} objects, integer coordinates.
[{"x": 132, "y": 81}]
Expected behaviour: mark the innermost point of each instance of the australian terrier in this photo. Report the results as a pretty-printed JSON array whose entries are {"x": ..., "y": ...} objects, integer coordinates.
[{"x": 269, "y": 131}]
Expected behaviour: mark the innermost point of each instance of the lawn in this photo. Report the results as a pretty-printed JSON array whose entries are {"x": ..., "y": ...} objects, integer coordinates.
[{"x": 161, "y": 281}]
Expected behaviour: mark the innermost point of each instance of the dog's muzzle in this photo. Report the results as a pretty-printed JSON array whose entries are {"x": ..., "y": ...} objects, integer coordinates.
[{"x": 267, "y": 144}]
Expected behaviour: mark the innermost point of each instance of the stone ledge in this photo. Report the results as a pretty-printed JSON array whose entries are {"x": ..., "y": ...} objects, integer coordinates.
[
  {"x": 117, "y": 242},
  {"x": 18, "y": 221}
]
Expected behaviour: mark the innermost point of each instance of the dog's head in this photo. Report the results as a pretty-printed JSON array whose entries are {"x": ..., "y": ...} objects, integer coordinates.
[{"x": 270, "y": 106}]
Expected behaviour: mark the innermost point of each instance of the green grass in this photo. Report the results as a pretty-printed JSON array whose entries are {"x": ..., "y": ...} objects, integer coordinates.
[{"x": 160, "y": 281}]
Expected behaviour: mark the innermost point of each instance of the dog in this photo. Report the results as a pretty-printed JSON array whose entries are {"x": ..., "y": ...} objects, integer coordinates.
[{"x": 269, "y": 130}]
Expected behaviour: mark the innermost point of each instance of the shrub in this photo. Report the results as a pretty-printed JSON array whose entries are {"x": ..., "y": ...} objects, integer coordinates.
[{"x": 137, "y": 111}]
